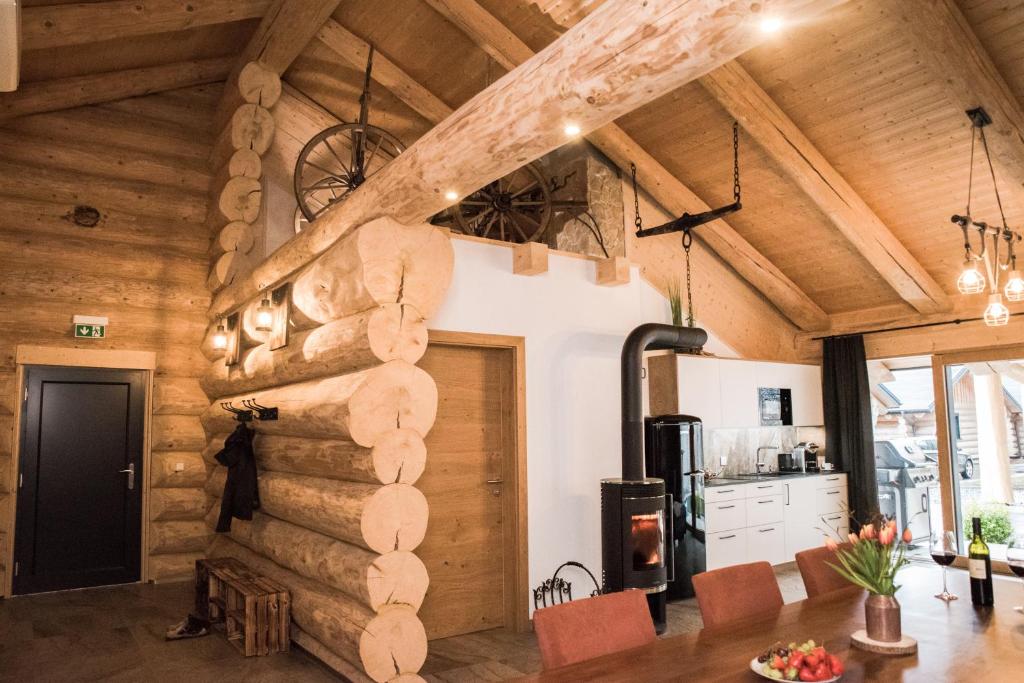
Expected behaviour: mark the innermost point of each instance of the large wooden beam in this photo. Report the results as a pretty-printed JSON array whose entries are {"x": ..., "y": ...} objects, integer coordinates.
[
  {"x": 286, "y": 29},
  {"x": 948, "y": 46},
  {"x": 354, "y": 50},
  {"x": 762, "y": 118},
  {"x": 509, "y": 51},
  {"x": 622, "y": 56},
  {"x": 73, "y": 24},
  {"x": 78, "y": 91}
]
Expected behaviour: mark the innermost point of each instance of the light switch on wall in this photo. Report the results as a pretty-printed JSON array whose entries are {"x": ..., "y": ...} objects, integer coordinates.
[
  {"x": 723, "y": 460},
  {"x": 179, "y": 467}
]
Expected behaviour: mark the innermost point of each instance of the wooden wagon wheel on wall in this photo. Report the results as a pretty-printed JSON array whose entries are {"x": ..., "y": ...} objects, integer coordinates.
[{"x": 515, "y": 208}]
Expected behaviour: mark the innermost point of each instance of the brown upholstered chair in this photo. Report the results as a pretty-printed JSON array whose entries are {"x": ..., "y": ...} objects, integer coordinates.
[
  {"x": 818, "y": 577},
  {"x": 583, "y": 629},
  {"x": 738, "y": 592}
]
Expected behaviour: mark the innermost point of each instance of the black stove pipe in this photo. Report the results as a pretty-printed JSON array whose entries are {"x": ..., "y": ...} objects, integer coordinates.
[{"x": 648, "y": 337}]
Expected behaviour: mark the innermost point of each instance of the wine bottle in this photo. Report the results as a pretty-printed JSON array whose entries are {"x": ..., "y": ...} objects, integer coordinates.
[{"x": 980, "y": 568}]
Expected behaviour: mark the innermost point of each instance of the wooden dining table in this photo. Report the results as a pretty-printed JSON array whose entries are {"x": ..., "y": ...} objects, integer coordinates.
[{"x": 956, "y": 641}]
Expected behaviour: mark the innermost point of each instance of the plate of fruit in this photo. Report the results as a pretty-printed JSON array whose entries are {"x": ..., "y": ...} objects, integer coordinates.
[{"x": 806, "y": 662}]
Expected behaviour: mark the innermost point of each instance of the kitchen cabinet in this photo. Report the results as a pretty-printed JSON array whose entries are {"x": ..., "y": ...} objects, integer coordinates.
[
  {"x": 723, "y": 392},
  {"x": 772, "y": 521}
]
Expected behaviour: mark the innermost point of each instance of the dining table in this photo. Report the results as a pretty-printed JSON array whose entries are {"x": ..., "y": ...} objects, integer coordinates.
[{"x": 956, "y": 640}]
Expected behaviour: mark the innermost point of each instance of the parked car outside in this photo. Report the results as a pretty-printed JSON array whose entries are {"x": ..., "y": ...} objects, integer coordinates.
[
  {"x": 930, "y": 447},
  {"x": 899, "y": 453}
]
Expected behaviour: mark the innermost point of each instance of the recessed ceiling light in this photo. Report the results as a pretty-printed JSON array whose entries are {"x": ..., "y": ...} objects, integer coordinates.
[
  {"x": 451, "y": 195},
  {"x": 572, "y": 130},
  {"x": 771, "y": 25}
]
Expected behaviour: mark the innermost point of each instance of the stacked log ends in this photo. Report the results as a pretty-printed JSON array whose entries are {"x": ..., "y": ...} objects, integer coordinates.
[
  {"x": 259, "y": 85},
  {"x": 384, "y": 644},
  {"x": 397, "y": 458},
  {"x": 240, "y": 199},
  {"x": 386, "y": 333},
  {"x": 362, "y": 407},
  {"x": 380, "y": 262},
  {"x": 235, "y": 236},
  {"x": 225, "y": 269}
]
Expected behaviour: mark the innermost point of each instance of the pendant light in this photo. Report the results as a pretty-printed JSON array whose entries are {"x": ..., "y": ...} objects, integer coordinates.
[
  {"x": 996, "y": 313},
  {"x": 971, "y": 279},
  {"x": 264, "y": 315},
  {"x": 220, "y": 337}
]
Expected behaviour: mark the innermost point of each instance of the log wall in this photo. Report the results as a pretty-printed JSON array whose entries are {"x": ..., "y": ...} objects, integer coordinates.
[
  {"x": 141, "y": 164},
  {"x": 340, "y": 516}
]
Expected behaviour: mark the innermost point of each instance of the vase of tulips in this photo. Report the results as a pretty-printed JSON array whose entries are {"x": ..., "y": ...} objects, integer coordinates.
[{"x": 871, "y": 560}]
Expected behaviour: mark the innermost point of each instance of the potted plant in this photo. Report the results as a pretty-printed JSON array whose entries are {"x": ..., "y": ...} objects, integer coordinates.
[
  {"x": 871, "y": 561},
  {"x": 996, "y": 527},
  {"x": 675, "y": 303}
]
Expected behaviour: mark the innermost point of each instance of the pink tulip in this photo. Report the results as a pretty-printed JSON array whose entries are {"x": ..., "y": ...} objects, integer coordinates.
[
  {"x": 907, "y": 536},
  {"x": 892, "y": 523},
  {"x": 831, "y": 544},
  {"x": 886, "y": 535},
  {"x": 867, "y": 531},
  {"x": 853, "y": 538}
]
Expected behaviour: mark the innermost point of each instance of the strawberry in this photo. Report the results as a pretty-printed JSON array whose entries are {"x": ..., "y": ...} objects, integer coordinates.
[
  {"x": 821, "y": 672},
  {"x": 835, "y": 665},
  {"x": 796, "y": 659},
  {"x": 778, "y": 663},
  {"x": 812, "y": 660},
  {"x": 807, "y": 674}
]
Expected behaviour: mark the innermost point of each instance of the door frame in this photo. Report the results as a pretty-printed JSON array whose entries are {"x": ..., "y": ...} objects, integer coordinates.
[
  {"x": 516, "y": 573},
  {"x": 947, "y": 471},
  {"x": 76, "y": 358}
]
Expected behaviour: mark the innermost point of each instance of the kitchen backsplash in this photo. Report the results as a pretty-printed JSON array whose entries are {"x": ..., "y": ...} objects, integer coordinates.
[{"x": 739, "y": 446}]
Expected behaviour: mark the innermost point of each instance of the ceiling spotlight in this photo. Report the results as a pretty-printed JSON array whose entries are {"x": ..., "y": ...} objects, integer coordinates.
[
  {"x": 451, "y": 195},
  {"x": 572, "y": 130},
  {"x": 771, "y": 25}
]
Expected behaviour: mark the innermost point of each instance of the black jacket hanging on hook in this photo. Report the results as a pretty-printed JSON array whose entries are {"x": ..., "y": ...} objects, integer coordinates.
[{"x": 241, "y": 491}]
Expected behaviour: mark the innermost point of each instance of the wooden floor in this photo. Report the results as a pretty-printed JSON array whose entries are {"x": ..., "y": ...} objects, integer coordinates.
[
  {"x": 497, "y": 655},
  {"x": 117, "y": 634}
]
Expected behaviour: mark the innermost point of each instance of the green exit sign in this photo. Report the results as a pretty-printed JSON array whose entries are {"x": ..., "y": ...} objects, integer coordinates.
[{"x": 90, "y": 331}]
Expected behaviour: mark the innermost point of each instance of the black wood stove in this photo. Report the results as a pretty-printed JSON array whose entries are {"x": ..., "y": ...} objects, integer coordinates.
[{"x": 635, "y": 547}]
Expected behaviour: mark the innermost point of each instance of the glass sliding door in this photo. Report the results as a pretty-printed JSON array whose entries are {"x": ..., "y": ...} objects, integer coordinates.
[{"x": 985, "y": 424}]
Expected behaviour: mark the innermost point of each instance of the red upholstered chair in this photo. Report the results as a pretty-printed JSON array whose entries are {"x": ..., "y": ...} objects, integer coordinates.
[
  {"x": 738, "y": 592},
  {"x": 818, "y": 577},
  {"x": 583, "y": 629}
]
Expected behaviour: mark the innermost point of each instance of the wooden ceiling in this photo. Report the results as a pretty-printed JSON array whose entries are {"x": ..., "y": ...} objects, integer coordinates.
[{"x": 857, "y": 221}]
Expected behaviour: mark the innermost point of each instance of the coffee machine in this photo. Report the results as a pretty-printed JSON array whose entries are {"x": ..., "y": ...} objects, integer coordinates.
[{"x": 806, "y": 454}]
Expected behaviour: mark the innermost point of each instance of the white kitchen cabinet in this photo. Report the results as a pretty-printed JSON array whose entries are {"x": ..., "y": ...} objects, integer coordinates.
[
  {"x": 766, "y": 543},
  {"x": 726, "y": 515},
  {"x": 807, "y": 407},
  {"x": 726, "y": 548},
  {"x": 764, "y": 510},
  {"x": 700, "y": 391},
  {"x": 738, "y": 387},
  {"x": 800, "y": 514}
]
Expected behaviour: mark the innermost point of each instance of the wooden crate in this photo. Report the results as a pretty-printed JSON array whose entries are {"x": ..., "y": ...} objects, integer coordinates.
[{"x": 255, "y": 610}]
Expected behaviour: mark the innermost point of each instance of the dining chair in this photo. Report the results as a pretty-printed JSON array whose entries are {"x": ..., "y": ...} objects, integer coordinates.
[
  {"x": 583, "y": 629},
  {"x": 818, "y": 576},
  {"x": 737, "y": 592}
]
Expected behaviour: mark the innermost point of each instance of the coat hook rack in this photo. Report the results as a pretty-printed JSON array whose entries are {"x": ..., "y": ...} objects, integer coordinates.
[
  {"x": 263, "y": 413},
  {"x": 240, "y": 415}
]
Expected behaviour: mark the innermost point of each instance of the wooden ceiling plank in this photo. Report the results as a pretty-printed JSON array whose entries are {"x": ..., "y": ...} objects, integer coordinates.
[
  {"x": 74, "y": 24},
  {"x": 786, "y": 144},
  {"x": 65, "y": 93},
  {"x": 508, "y": 50},
  {"x": 950, "y": 48},
  {"x": 284, "y": 32},
  {"x": 354, "y": 50},
  {"x": 596, "y": 72}
]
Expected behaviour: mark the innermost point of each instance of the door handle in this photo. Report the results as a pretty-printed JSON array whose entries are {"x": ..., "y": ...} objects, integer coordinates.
[
  {"x": 131, "y": 475},
  {"x": 495, "y": 481}
]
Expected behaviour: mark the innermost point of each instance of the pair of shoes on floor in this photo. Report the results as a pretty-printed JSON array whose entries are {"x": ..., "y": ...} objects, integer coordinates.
[{"x": 190, "y": 627}]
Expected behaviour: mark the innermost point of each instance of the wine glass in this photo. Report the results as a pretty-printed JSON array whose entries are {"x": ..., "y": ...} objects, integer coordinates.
[
  {"x": 1015, "y": 560},
  {"x": 943, "y": 550}
]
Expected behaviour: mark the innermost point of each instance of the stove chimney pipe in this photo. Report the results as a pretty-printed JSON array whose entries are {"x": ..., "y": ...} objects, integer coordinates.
[{"x": 651, "y": 336}]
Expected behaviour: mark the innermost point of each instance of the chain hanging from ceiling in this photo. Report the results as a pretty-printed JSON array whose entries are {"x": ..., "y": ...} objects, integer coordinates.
[{"x": 687, "y": 222}]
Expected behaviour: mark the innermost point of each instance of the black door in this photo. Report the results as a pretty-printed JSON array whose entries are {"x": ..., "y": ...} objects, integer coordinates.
[{"x": 79, "y": 513}]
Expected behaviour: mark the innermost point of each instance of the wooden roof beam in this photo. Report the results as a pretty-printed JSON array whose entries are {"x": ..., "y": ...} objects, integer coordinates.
[
  {"x": 51, "y": 26},
  {"x": 509, "y": 51},
  {"x": 78, "y": 91},
  {"x": 780, "y": 137},
  {"x": 596, "y": 72},
  {"x": 285, "y": 31},
  {"x": 956, "y": 57}
]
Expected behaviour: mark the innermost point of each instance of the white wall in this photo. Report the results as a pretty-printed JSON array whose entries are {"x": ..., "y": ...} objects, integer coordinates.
[{"x": 574, "y": 331}]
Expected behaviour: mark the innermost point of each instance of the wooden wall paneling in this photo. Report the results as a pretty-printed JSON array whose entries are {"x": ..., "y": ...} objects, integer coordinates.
[
  {"x": 65, "y": 93},
  {"x": 164, "y": 472},
  {"x": 487, "y": 145},
  {"x": 744, "y": 99}
]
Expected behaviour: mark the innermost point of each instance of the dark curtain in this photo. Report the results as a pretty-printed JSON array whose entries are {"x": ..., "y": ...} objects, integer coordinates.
[{"x": 849, "y": 437}]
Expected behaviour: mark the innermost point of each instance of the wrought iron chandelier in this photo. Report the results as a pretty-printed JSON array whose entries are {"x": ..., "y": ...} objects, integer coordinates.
[{"x": 972, "y": 280}]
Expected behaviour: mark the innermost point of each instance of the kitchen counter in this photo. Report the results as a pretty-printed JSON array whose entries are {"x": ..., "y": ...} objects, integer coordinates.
[{"x": 737, "y": 481}]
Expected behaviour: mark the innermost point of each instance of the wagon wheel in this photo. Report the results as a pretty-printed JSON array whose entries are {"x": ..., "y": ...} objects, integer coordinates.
[
  {"x": 516, "y": 208},
  {"x": 337, "y": 161}
]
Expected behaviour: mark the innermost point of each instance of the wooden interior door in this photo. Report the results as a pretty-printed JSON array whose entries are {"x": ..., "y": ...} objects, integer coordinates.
[
  {"x": 469, "y": 449},
  {"x": 79, "y": 509}
]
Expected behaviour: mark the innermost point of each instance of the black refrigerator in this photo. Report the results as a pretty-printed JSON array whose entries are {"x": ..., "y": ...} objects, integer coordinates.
[{"x": 674, "y": 451}]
